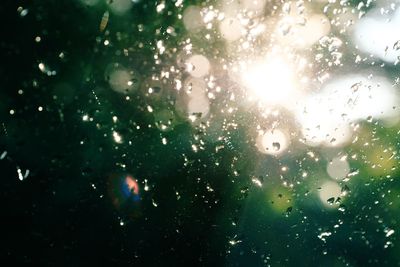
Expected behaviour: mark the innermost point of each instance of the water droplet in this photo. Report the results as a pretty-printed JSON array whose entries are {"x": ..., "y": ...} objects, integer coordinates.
[
  {"x": 345, "y": 190},
  {"x": 285, "y": 28},
  {"x": 324, "y": 235},
  {"x": 3, "y": 155},
  {"x": 396, "y": 45},
  {"x": 389, "y": 232},
  {"x": 286, "y": 7},
  {"x": 146, "y": 186},
  {"x": 331, "y": 200},
  {"x": 289, "y": 210},
  {"x": 276, "y": 146},
  {"x": 388, "y": 244},
  {"x": 256, "y": 181},
  {"x": 356, "y": 86},
  {"x": 104, "y": 21},
  {"x": 22, "y": 176},
  {"x": 155, "y": 89},
  {"x": 117, "y": 137},
  {"x": 23, "y": 11},
  {"x": 234, "y": 241}
]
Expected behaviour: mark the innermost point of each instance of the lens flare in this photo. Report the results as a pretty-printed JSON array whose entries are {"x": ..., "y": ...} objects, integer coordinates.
[{"x": 124, "y": 191}]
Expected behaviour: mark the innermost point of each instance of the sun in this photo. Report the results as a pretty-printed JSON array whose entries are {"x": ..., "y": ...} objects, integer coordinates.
[{"x": 270, "y": 80}]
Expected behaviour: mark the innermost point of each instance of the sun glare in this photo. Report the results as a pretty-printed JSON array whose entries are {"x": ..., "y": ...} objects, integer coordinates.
[{"x": 271, "y": 81}]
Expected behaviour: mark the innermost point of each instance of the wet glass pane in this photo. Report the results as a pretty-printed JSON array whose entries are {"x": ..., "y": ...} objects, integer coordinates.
[{"x": 204, "y": 133}]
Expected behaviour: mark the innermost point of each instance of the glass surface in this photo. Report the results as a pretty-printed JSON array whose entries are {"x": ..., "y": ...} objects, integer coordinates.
[{"x": 203, "y": 133}]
